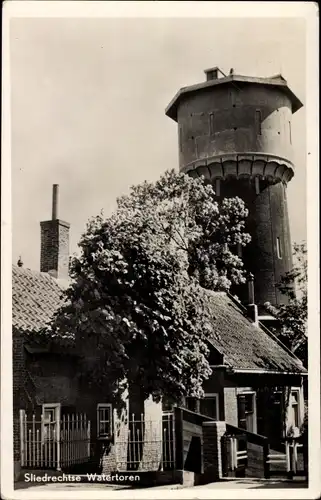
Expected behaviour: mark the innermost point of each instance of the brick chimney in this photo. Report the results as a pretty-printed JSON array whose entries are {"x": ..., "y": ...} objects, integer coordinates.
[
  {"x": 54, "y": 257},
  {"x": 252, "y": 310}
]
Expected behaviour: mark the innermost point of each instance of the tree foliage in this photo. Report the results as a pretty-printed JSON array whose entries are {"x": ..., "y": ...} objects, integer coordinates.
[
  {"x": 292, "y": 316},
  {"x": 138, "y": 305}
]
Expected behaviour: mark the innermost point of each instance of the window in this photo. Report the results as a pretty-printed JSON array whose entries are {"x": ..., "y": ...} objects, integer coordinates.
[
  {"x": 211, "y": 123},
  {"x": 218, "y": 187},
  {"x": 209, "y": 406},
  {"x": 191, "y": 404},
  {"x": 180, "y": 138},
  {"x": 258, "y": 122},
  {"x": 294, "y": 407},
  {"x": 290, "y": 133},
  {"x": 104, "y": 420},
  {"x": 168, "y": 403},
  {"x": 206, "y": 406},
  {"x": 50, "y": 421},
  {"x": 257, "y": 185},
  {"x": 278, "y": 248},
  {"x": 246, "y": 403}
]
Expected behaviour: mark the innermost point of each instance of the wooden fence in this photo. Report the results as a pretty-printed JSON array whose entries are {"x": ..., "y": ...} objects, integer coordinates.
[
  {"x": 189, "y": 439},
  {"x": 249, "y": 454}
]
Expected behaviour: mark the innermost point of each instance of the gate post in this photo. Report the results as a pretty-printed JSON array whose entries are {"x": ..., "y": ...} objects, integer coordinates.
[
  {"x": 212, "y": 449},
  {"x": 179, "y": 443},
  {"x": 22, "y": 414},
  {"x": 88, "y": 438},
  {"x": 58, "y": 445},
  {"x": 266, "y": 465}
]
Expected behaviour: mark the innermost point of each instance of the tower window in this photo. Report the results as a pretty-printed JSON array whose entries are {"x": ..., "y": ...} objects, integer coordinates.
[
  {"x": 180, "y": 138},
  {"x": 290, "y": 133},
  {"x": 218, "y": 187},
  {"x": 278, "y": 248},
  {"x": 211, "y": 123},
  {"x": 257, "y": 185},
  {"x": 258, "y": 122}
]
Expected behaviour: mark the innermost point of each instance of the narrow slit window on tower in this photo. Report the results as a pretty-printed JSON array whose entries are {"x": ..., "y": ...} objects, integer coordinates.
[
  {"x": 278, "y": 248},
  {"x": 218, "y": 187},
  {"x": 211, "y": 123},
  {"x": 258, "y": 122},
  {"x": 180, "y": 138},
  {"x": 290, "y": 133},
  {"x": 257, "y": 185}
]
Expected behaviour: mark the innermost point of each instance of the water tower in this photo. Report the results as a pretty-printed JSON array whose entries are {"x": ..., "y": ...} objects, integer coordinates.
[{"x": 236, "y": 131}]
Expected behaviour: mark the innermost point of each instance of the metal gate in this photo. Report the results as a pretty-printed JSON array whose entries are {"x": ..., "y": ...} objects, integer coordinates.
[
  {"x": 54, "y": 443},
  {"x": 145, "y": 444}
]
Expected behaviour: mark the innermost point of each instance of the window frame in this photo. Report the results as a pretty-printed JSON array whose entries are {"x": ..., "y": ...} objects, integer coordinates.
[
  {"x": 180, "y": 138},
  {"x": 99, "y": 421},
  {"x": 296, "y": 424},
  {"x": 258, "y": 122},
  {"x": 212, "y": 395},
  {"x": 194, "y": 400},
  {"x": 218, "y": 187},
  {"x": 56, "y": 407},
  {"x": 290, "y": 132},
  {"x": 197, "y": 403},
  {"x": 254, "y": 412},
  {"x": 211, "y": 117}
]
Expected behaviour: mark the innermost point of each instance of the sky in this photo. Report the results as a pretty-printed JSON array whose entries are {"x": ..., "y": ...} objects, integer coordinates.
[{"x": 88, "y": 97}]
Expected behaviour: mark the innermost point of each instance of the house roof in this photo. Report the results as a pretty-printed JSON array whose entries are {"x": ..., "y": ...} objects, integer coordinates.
[
  {"x": 35, "y": 298},
  {"x": 245, "y": 346},
  {"x": 276, "y": 81}
]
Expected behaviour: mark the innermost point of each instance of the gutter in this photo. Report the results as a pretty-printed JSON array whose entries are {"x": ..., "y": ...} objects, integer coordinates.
[{"x": 269, "y": 372}]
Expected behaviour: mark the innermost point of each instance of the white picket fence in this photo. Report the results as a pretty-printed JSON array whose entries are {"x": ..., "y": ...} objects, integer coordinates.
[
  {"x": 145, "y": 444},
  {"x": 54, "y": 444}
]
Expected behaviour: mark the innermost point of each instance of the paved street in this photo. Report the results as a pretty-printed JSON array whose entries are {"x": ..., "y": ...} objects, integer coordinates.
[{"x": 225, "y": 484}]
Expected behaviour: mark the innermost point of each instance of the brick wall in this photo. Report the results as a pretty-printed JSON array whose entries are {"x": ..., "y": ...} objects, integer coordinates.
[
  {"x": 18, "y": 376},
  {"x": 54, "y": 254},
  {"x": 212, "y": 450}
]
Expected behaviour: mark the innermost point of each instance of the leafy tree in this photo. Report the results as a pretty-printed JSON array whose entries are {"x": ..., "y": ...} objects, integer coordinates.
[
  {"x": 138, "y": 306},
  {"x": 292, "y": 317}
]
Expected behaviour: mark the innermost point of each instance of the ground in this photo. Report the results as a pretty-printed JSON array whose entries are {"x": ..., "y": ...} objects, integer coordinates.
[{"x": 224, "y": 484}]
